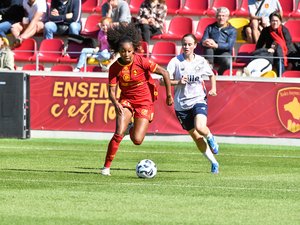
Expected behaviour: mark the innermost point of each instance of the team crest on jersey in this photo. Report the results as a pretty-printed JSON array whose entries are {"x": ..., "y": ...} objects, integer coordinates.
[
  {"x": 197, "y": 68},
  {"x": 267, "y": 6},
  {"x": 126, "y": 77},
  {"x": 288, "y": 108}
]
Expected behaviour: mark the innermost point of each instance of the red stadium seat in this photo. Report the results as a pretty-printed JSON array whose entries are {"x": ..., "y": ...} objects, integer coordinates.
[
  {"x": 50, "y": 50},
  {"x": 26, "y": 51},
  {"x": 91, "y": 27},
  {"x": 163, "y": 52},
  {"x": 291, "y": 74},
  {"x": 230, "y": 4},
  {"x": 293, "y": 27},
  {"x": 178, "y": 27},
  {"x": 134, "y": 6},
  {"x": 296, "y": 13},
  {"x": 173, "y": 6},
  {"x": 33, "y": 67},
  {"x": 62, "y": 67},
  {"x": 244, "y": 50},
  {"x": 288, "y": 6},
  {"x": 243, "y": 10},
  {"x": 192, "y": 7},
  {"x": 202, "y": 24},
  {"x": 89, "y": 5},
  {"x": 91, "y": 68},
  {"x": 227, "y": 72}
]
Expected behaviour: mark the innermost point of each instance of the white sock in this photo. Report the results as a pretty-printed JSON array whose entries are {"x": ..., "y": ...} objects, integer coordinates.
[{"x": 210, "y": 156}]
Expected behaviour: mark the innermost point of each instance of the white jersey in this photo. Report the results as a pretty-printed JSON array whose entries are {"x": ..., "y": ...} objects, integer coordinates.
[
  {"x": 268, "y": 7},
  {"x": 194, "y": 91}
]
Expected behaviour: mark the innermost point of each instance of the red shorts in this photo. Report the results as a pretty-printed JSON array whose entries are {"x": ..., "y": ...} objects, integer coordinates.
[{"x": 140, "y": 110}]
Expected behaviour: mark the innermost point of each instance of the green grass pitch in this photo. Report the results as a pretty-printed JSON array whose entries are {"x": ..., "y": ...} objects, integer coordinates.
[{"x": 51, "y": 181}]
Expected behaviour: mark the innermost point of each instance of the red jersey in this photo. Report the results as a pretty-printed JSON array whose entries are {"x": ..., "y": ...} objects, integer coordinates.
[{"x": 134, "y": 79}]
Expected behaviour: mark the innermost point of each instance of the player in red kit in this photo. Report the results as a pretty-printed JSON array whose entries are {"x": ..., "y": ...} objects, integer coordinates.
[{"x": 131, "y": 72}]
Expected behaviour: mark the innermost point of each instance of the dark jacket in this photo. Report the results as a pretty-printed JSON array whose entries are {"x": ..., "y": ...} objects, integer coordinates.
[
  {"x": 265, "y": 40},
  {"x": 225, "y": 38},
  {"x": 72, "y": 6},
  {"x": 12, "y": 10}
]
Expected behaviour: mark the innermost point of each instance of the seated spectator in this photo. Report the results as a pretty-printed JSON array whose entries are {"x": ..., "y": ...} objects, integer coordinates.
[
  {"x": 65, "y": 17},
  {"x": 36, "y": 12},
  {"x": 11, "y": 11},
  {"x": 118, "y": 10},
  {"x": 218, "y": 40},
  {"x": 101, "y": 53},
  {"x": 260, "y": 11},
  {"x": 151, "y": 18},
  {"x": 277, "y": 41},
  {"x": 7, "y": 61}
]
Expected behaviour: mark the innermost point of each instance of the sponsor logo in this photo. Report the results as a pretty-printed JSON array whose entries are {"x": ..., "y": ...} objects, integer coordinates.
[{"x": 288, "y": 108}]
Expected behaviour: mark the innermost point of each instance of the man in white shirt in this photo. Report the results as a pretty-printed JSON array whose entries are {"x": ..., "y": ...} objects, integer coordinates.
[{"x": 33, "y": 23}]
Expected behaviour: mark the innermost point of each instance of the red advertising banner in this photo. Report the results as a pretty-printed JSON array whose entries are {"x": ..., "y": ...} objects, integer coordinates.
[{"x": 242, "y": 108}]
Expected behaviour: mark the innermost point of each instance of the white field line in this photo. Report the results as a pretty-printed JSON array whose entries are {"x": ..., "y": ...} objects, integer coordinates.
[
  {"x": 152, "y": 184},
  {"x": 20, "y": 148}
]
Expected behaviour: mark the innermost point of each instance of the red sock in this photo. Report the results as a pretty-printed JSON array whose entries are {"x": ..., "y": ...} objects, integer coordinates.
[{"x": 112, "y": 149}]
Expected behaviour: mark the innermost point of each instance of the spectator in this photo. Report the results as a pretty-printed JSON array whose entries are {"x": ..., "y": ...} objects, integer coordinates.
[
  {"x": 65, "y": 17},
  {"x": 33, "y": 23},
  {"x": 7, "y": 61},
  {"x": 260, "y": 11},
  {"x": 277, "y": 41},
  {"x": 118, "y": 10},
  {"x": 151, "y": 18},
  {"x": 218, "y": 40},
  {"x": 102, "y": 51},
  {"x": 11, "y": 11}
]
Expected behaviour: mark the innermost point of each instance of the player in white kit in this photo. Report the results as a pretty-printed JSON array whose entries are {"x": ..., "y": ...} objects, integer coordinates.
[{"x": 190, "y": 101}]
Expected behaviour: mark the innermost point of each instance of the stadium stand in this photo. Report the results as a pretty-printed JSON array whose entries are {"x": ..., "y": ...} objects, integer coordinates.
[
  {"x": 33, "y": 66},
  {"x": 288, "y": 6},
  {"x": 91, "y": 27},
  {"x": 163, "y": 52},
  {"x": 195, "y": 8},
  {"x": 296, "y": 13},
  {"x": 173, "y": 6},
  {"x": 134, "y": 6},
  {"x": 245, "y": 50},
  {"x": 291, "y": 74},
  {"x": 230, "y": 4},
  {"x": 293, "y": 27},
  {"x": 227, "y": 72},
  {"x": 62, "y": 67},
  {"x": 50, "y": 50},
  {"x": 89, "y": 6},
  {"x": 178, "y": 27},
  {"x": 202, "y": 24},
  {"x": 26, "y": 51},
  {"x": 242, "y": 10},
  {"x": 91, "y": 68},
  {"x": 239, "y": 24}
]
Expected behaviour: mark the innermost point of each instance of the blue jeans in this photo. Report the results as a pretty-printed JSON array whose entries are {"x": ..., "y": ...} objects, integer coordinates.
[
  {"x": 51, "y": 28},
  {"x": 5, "y": 28},
  {"x": 89, "y": 52}
]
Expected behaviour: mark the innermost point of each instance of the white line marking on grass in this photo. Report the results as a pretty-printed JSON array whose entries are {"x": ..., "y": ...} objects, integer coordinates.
[
  {"x": 152, "y": 184},
  {"x": 148, "y": 152}
]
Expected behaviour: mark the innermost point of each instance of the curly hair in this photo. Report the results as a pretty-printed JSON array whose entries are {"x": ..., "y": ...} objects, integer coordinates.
[{"x": 116, "y": 36}]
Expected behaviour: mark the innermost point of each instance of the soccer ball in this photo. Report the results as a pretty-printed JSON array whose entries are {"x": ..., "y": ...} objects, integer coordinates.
[{"x": 146, "y": 168}]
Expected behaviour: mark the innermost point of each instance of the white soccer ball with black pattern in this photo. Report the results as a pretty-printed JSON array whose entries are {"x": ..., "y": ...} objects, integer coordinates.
[{"x": 146, "y": 168}]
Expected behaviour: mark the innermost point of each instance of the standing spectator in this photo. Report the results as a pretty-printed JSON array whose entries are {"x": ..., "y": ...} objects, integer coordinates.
[
  {"x": 65, "y": 17},
  {"x": 7, "y": 61},
  {"x": 11, "y": 11},
  {"x": 277, "y": 40},
  {"x": 118, "y": 10},
  {"x": 36, "y": 13},
  {"x": 218, "y": 40},
  {"x": 260, "y": 11},
  {"x": 102, "y": 51},
  {"x": 190, "y": 102},
  {"x": 151, "y": 18}
]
